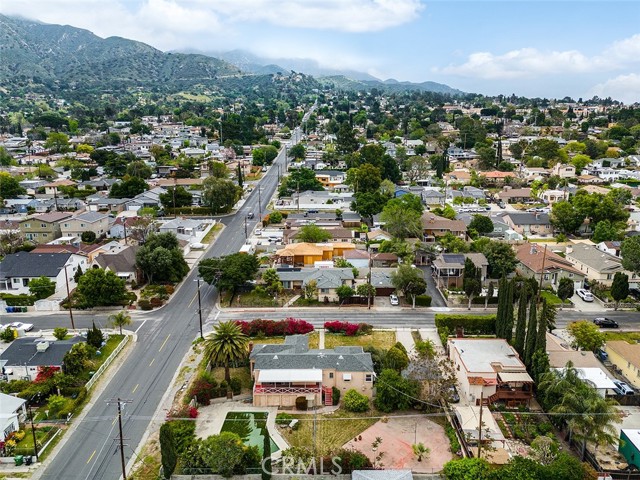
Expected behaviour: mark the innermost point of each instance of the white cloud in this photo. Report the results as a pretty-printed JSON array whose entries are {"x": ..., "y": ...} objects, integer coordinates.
[{"x": 623, "y": 87}]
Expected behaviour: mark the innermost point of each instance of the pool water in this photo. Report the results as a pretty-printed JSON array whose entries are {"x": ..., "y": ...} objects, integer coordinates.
[{"x": 251, "y": 427}]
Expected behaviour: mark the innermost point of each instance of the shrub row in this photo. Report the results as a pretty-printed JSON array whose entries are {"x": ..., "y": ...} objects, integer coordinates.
[
  {"x": 22, "y": 300},
  {"x": 188, "y": 211},
  {"x": 472, "y": 324},
  {"x": 274, "y": 328},
  {"x": 423, "y": 301},
  {"x": 204, "y": 388},
  {"x": 349, "y": 329}
]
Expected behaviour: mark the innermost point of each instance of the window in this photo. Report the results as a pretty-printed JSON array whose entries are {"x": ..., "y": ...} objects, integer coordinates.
[
  {"x": 43, "y": 225},
  {"x": 346, "y": 377},
  {"x": 330, "y": 374},
  {"x": 368, "y": 377},
  {"x": 608, "y": 276},
  {"x": 82, "y": 225},
  {"x": 324, "y": 290},
  {"x": 25, "y": 282},
  {"x": 27, "y": 225},
  {"x": 45, "y": 234},
  {"x": 571, "y": 275},
  {"x": 15, "y": 280},
  {"x": 546, "y": 276},
  {"x": 66, "y": 225}
]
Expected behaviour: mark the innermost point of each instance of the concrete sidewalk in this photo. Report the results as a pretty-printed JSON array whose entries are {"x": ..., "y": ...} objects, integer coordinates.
[{"x": 405, "y": 337}]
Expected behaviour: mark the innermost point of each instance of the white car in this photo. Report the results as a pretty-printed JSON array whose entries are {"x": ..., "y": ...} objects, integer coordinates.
[
  {"x": 393, "y": 299},
  {"x": 585, "y": 295},
  {"x": 27, "y": 327}
]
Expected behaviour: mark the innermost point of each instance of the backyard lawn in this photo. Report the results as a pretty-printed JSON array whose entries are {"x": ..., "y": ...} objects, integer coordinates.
[
  {"x": 332, "y": 431},
  {"x": 379, "y": 339},
  {"x": 631, "y": 337},
  {"x": 242, "y": 373}
]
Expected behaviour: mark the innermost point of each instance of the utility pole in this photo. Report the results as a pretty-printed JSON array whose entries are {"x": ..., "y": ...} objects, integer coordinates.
[
  {"x": 200, "y": 303},
  {"x": 119, "y": 402},
  {"x": 69, "y": 302},
  {"x": 259, "y": 201},
  {"x": 246, "y": 234},
  {"x": 298, "y": 192},
  {"x": 33, "y": 431},
  {"x": 480, "y": 424}
]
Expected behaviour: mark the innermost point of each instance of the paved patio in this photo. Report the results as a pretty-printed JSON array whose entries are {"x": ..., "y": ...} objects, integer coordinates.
[{"x": 398, "y": 435}]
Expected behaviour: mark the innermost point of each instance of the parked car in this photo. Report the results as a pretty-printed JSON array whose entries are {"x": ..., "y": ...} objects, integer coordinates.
[
  {"x": 622, "y": 388},
  {"x": 27, "y": 327},
  {"x": 250, "y": 215},
  {"x": 585, "y": 295},
  {"x": 602, "y": 355},
  {"x": 393, "y": 299},
  {"x": 605, "y": 322},
  {"x": 502, "y": 205}
]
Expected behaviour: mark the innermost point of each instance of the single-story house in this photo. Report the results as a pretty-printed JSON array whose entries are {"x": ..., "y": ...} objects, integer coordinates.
[
  {"x": 532, "y": 258},
  {"x": 597, "y": 265},
  {"x": 596, "y": 377},
  {"x": 184, "y": 226},
  {"x": 18, "y": 269},
  {"x": 357, "y": 258},
  {"x": 25, "y": 357},
  {"x": 436, "y": 226},
  {"x": 526, "y": 223},
  {"x": 123, "y": 263},
  {"x": 307, "y": 254},
  {"x": 282, "y": 373},
  {"x": 490, "y": 369},
  {"x": 626, "y": 357},
  {"x": 515, "y": 195}
]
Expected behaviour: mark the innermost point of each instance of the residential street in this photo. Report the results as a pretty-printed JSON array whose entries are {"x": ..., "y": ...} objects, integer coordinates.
[{"x": 164, "y": 337}]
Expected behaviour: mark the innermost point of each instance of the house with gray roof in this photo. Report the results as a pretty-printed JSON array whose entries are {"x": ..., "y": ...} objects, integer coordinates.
[
  {"x": 95, "y": 222},
  {"x": 284, "y": 372},
  {"x": 328, "y": 280},
  {"x": 122, "y": 263},
  {"x": 12, "y": 411},
  {"x": 529, "y": 223},
  {"x": 597, "y": 265},
  {"x": 448, "y": 268}
]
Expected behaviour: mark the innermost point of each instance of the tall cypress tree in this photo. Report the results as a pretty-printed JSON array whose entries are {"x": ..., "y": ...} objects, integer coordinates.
[
  {"x": 501, "y": 307},
  {"x": 521, "y": 322},
  {"x": 507, "y": 323},
  {"x": 532, "y": 332},
  {"x": 168, "y": 453},
  {"x": 547, "y": 317}
]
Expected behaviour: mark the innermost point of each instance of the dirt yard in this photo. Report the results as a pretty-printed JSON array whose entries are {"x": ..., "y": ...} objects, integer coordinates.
[{"x": 398, "y": 435}]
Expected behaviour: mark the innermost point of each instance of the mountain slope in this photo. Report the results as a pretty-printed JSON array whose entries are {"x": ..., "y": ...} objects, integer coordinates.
[
  {"x": 55, "y": 53},
  {"x": 390, "y": 86}
]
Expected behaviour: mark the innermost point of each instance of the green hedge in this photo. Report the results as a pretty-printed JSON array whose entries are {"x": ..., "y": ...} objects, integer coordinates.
[
  {"x": 188, "y": 211},
  {"x": 473, "y": 324},
  {"x": 480, "y": 300},
  {"x": 423, "y": 301},
  {"x": 22, "y": 300}
]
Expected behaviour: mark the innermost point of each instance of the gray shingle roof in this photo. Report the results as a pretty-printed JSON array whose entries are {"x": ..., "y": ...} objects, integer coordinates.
[
  {"x": 597, "y": 259},
  {"x": 30, "y": 265},
  {"x": 527, "y": 218},
  {"x": 91, "y": 217},
  {"x": 23, "y": 351},
  {"x": 295, "y": 354}
]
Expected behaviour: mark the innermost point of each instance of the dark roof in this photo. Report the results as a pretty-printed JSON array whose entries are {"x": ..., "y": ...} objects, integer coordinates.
[
  {"x": 295, "y": 354},
  {"x": 31, "y": 265},
  {"x": 24, "y": 351},
  {"x": 527, "y": 218},
  {"x": 125, "y": 261}
]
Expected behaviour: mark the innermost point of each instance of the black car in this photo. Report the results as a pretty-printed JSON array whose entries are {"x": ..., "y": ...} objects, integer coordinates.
[{"x": 604, "y": 322}]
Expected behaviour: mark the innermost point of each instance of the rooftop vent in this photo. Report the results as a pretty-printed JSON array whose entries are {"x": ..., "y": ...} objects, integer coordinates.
[{"x": 42, "y": 346}]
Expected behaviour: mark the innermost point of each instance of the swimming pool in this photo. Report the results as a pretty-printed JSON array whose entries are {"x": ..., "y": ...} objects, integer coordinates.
[{"x": 251, "y": 427}]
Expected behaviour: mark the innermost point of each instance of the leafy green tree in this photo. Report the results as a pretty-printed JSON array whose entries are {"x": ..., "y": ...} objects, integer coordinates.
[
  {"x": 364, "y": 179},
  {"x": 5, "y": 158},
  {"x": 220, "y": 194},
  {"x": 75, "y": 360},
  {"x": 630, "y": 253},
  {"x": 223, "y": 454},
  {"x": 453, "y": 244},
  {"x": 139, "y": 169},
  {"x": 95, "y": 338},
  {"x": 168, "y": 452},
  {"x": 606, "y": 231},
  {"x": 396, "y": 359},
  {"x": 226, "y": 345},
  {"x": 566, "y": 217},
  {"x": 481, "y": 224},
  {"x": 119, "y": 320},
  {"x": 176, "y": 197},
  {"x": 539, "y": 364},
  {"x": 9, "y": 186},
  {"x": 501, "y": 258},
  {"x": 619, "y": 288},
  {"x": 299, "y": 180},
  {"x": 88, "y": 236},
  {"x": 271, "y": 280},
  {"x": 532, "y": 330},
  {"x": 116, "y": 166},
  {"x": 471, "y": 283},
  {"x": 547, "y": 317},
  {"x": 128, "y": 188},
  {"x": 468, "y": 469},
  {"x": 346, "y": 141},
  {"x": 297, "y": 152},
  {"x": 344, "y": 292},
  {"x": 57, "y": 142},
  {"x": 394, "y": 392},
  {"x": 60, "y": 333},
  {"x": 409, "y": 280},
  {"x": 160, "y": 258},
  {"x": 400, "y": 221},
  {"x": 313, "y": 234},
  {"x": 42, "y": 287},
  {"x": 354, "y": 401},
  {"x": 565, "y": 289},
  {"x": 219, "y": 170},
  {"x": 408, "y": 201},
  {"x": 447, "y": 212},
  {"x": 586, "y": 335},
  {"x": 366, "y": 290},
  {"x": 230, "y": 272},
  {"x": 368, "y": 204},
  {"x": 508, "y": 320},
  {"x": 99, "y": 287}
]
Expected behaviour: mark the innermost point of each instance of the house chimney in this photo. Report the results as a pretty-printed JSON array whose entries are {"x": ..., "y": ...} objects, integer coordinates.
[
  {"x": 534, "y": 249},
  {"x": 569, "y": 249}
]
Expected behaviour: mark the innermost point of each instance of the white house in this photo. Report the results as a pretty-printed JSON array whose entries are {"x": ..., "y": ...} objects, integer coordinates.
[
  {"x": 18, "y": 269},
  {"x": 12, "y": 410}
]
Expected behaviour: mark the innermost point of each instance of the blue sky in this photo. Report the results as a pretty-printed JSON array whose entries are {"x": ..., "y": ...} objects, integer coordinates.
[{"x": 533, "y": 48}]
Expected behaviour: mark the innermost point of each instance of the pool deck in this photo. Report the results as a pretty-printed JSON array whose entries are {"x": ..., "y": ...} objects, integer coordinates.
[{"x": 211, "y": 418}]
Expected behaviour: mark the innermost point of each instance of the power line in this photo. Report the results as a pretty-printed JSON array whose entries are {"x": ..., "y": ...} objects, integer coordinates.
[{"x": 119, "y": 402}]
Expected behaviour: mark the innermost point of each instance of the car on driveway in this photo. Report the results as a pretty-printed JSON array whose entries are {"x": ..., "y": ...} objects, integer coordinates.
[
  {"x": 622, "y": 388},
  {"x": 454, "y": 397},
  {"x": 21, "y": 326},
  {"x": 585, "y": 295},
  {"x": 605, "y": 322},
  {"x": 393, "y": 299}
]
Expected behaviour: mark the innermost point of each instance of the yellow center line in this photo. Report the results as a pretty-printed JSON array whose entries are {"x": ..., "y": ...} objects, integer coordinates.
[
  {"x": 113, "y": 423},
  {"x": 94, "y": 452},
  {"x": 135, "y": 388},
  {"x": 192, "y": 300},
  {"x": 152, "y": 362},
  {"x": 164, "y": 343}
]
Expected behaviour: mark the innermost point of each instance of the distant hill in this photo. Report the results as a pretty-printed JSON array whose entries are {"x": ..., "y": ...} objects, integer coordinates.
[
  {"x": 390, "y": 86},
  {"x": 48, "y": 54}
]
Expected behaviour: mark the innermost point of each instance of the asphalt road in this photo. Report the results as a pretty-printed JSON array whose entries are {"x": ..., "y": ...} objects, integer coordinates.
[{"x": 164, "y": 337}]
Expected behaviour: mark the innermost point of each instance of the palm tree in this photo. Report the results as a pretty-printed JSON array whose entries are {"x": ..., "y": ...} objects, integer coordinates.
[
  {"x": 420, "y": 451},
  {"x": 120, "y": 319},
  {"x": 226, "y": 344}
]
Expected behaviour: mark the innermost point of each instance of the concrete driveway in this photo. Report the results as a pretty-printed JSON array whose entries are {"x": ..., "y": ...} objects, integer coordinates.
[
  {"x": 436, "y": 298},
  {"x": 587, "y": 307}
]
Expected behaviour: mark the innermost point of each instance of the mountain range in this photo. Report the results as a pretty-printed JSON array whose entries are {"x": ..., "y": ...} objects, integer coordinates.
[{"x": 63, "y": 56}]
